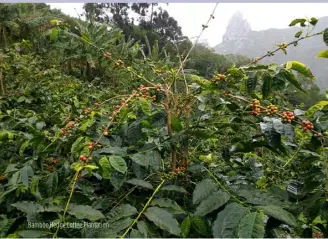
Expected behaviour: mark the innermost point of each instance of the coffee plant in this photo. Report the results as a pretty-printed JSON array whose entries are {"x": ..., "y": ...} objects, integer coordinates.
[{"x": 164, "y": 152}]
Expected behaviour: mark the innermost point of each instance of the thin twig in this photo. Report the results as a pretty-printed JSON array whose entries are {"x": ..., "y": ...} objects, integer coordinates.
[{"x": 204, "y": 27}]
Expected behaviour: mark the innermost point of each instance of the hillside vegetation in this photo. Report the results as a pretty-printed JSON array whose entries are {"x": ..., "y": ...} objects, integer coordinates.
[{"x": 112, "y": 129}]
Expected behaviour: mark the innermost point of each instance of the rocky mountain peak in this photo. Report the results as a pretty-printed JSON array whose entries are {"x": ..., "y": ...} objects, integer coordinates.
[{"x": 237, "y": 29}]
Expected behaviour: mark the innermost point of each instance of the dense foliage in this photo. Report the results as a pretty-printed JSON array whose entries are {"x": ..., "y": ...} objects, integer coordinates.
[{"x": 103, "y": 136}]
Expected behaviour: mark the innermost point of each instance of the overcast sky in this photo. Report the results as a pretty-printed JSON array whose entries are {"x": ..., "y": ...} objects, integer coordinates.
[{"x": 191, "y": 16}]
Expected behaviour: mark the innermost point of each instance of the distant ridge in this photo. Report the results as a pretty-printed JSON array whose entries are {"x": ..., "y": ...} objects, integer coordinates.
[{"x": 240, "y": 39}]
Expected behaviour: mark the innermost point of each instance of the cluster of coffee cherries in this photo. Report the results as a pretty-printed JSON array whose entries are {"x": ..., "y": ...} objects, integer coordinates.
[
  {"x": 51, "y": 162},
  {"x": 144, "y": 92},
  {"x": 317, "y": 235},
  {"x": 107, "y": 55},
  {"x": 271, "y": 110},
  {"x": 69, "y": 126},
  {"x": 256, "y": 107},
  {"x": 168, "y": 176},
  {"x": 118, "y": 63},
  {"x": 124, "y": 103},
  {"x": 287, "y": 117},
  {"x": 83, "y": 158},
  {"x": 180, "y": 170},
  {"x": 117, "y": 108},
  {"x": 90, "y": 146},
  {"x": 2, "y": 178},
  {"x": 87, "y": 111},
  {"x": 307, "y": 125},
  {"x": 220, "y": 77},
  {"x": 226, "y": 92},
  {"x": 96, "y": 105}
]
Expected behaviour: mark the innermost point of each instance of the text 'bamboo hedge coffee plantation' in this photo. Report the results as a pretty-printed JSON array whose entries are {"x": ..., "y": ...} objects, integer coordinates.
[{"x": 110, "y": 129}]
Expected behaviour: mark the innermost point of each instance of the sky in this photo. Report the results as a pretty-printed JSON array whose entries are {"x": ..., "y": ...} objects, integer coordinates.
[{"x": 191, "y": 16}]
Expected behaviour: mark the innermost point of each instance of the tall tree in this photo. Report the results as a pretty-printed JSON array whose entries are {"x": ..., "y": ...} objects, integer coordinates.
[{"x": 153, "y": 23}]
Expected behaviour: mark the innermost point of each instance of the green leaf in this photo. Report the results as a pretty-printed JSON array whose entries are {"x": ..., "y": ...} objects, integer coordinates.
[
  {"x": 5, "y": 224},
  {"x": 112, "y": 150},
  {"x": 77, "y": 166},
  {"x": 54, "y": 34},
  {"x": 135, "y": 234},
  {"x": 298, "y": 34},
  {"x": 176, "y": 124},
  {"x": 52, "y": 183},
  {"x": 134, "y": 131},
  {"x": 200, "y": 225},
  {"x": 16, "y": 178},
  {"x": 40, "y": 125},
  {"x": 227, "y": 221},
  {"x": 301, "y": 68},
  {"x": 118, "y": 163},
  {"x": 174, "y": 188},
  {"x": 325, "y": 36},
  {"x": 86, "y": 125},
  {"x": 154, "y": 159},
  {"x": 166, "y": 203},
  {"x": 28, "y": 207},
  {"x": 323, "y": 54},
  {"x": 313, "y": 21},
  {"x": 292, "y": 79},
  {"x": 121, "y": 211},
  {"x": 163, "y": 219},
  {"x": 251, "y": 226},
  {"x": 4, "y": 194},
  {"x": 252, "y": 81},
  {"x": 142, "y": 227},
  {"x": 140, "y": 159},
  {"x": 203, "y": 190},
  {"x": 34, "y": 187},
  {"x": 23, "y": 147},
  {"x": 85, "y": 212},
  {"x": 267, "y": 84},
  {"x": 90, "y": 166},
  {"x": 27, "y": 174},
  {"x": 212, "y": 202},
  {"x": 185, "y": 226},
  {"x": 253, "y": 196},
  {"x": 145, "y": 106},
  {"x": 296, "y": 21},
  {"x": 314, "y": 108},
  {"x": 11, "y": 168},
  {"x": 280, "y": 214},
  {"x": 289, "y": 132},
  {"x": 106, "y": 168},
  {"x": 117, "y": 179},
  {"x": 273, "y": 138},
  {"x": 116, "y": 227},
  {"x": 76, "y": 144},
  {"x": 140, "y": 183}
]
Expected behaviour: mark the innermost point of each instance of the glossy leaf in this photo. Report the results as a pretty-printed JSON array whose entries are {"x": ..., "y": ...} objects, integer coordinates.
[
  {"x": 185, "y": 226},
  {"x": 251, "y": 226},
  {"x": 163, "y": 219},
  {"x": 211, "y": 203},
  {"x": 118, "y": 163},
  {"x": 227, "y": 221},
  {"x": 202, "y": 190}
]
